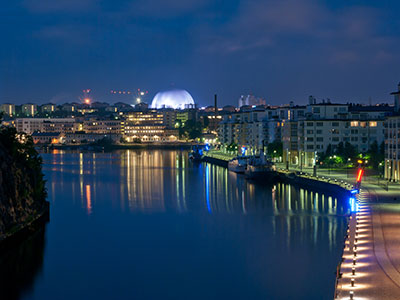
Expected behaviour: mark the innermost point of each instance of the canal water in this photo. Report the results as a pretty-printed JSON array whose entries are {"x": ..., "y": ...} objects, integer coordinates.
[{"x": 152, "y": 225}]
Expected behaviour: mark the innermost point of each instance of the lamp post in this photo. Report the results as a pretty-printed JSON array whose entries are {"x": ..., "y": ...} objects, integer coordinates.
[{"x": 315, "y": 164}]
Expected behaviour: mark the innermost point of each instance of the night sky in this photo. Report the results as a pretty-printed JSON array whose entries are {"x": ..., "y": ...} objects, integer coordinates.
[{"x": 281, "y": 50}]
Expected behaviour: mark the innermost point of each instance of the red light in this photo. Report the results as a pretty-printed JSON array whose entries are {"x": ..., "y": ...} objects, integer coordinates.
[{"x": 360, "y": 174}]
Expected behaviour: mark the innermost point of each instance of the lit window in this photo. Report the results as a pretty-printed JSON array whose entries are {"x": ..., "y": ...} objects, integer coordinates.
[
  {"x": 354, "y": 123},
  {"x": 372, "y": 124}
]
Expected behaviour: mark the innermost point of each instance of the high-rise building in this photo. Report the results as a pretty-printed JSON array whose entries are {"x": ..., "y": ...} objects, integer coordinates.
[
  {"x": 8, "y": 109},
  {"x": 29, "y": 109}
]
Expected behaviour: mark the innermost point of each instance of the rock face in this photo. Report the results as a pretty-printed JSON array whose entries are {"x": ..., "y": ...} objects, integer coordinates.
[{"x": 22, "y": 187}]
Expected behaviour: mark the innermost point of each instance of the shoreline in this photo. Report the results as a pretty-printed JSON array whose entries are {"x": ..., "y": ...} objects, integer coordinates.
[
  {"x": 93, "y": 147},
  {"x": 21, "y": 231},
  {"x": 307, "y": 181}
]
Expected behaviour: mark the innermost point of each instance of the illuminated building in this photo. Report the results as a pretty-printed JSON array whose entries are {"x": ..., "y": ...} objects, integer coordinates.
[
  {"x": 29, "y": 109},
  {"x": 392, "y": 141},
  {"x": 48, "y": 108},
  {"x": 47, "y": 138},
  {"x": 148, "y": 127},
  {"x": 326, "y": 123},
  {"x": 8, "y": 109},
  {"x": 99, "y": 126},
  {"x": 31, "y": 125},
  {"x": 176, "y": 99}
]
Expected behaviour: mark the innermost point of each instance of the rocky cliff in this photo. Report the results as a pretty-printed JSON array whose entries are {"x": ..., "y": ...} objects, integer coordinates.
[{"x": 22, "y": 187}]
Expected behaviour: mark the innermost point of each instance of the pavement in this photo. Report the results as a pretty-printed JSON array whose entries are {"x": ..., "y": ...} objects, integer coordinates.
[{"x": 370, "y": 267}]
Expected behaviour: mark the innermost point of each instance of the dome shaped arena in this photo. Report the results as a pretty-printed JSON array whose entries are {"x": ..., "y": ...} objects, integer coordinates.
[{"x": 176, "y": 99}]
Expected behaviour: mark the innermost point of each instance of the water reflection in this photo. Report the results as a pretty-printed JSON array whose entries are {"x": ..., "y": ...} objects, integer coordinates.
[
  {"x": 165, "y": 217},
  {"x": 19, "y": 265},
  {"x": 159, "y": 181}
]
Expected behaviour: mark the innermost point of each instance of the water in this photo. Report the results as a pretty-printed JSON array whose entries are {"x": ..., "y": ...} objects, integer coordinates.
[{"x": 152, "y": 225}]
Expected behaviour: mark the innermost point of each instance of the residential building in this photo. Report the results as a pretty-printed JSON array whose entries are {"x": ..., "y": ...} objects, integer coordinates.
[
  {"x": 8, "y": 109},
  {"x": 250, "y": 100},
  {"x": 392, "y": 141},
  {"x": 100, "y": 126},
  {"x": 47, "y": 138},
  {"x": 48, "y": 108},
  {"x": 29, "y": 109},
  {"x": 31, "y": 125},
  {"x": 392, "y": 148}
]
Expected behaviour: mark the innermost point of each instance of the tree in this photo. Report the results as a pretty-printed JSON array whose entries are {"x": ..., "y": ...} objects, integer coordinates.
[
  {"x": 191, "y": 129},
  {"x": 376, "y": 154},
  {"x": 349, "y": 151},
  {"x": 275, "y": 149}
]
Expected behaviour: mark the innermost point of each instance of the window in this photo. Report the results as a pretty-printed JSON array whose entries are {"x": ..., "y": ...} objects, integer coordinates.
[
  {"x": 319, "y": 131},
  {"x": 335, "y": 124},
  {"x": 373, "y": 124},
  {"x": 310, "y": 131},
  {"x": 320, "y": 139},
  {"x": 363, "y": 124},
  {"x": 335, "y": 139},
  {"x": 310, "y": 147},
  {"x": 309, "y": 124},
  {"x": 310, "y": 139},
  {"x": 316, "y": 110},
  {"x": 319, "y": 124},
  {"x": 354, "y": 123}
]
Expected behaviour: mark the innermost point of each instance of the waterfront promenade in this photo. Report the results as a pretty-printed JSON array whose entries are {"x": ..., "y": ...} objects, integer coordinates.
[{"x": 371, "y": 258}]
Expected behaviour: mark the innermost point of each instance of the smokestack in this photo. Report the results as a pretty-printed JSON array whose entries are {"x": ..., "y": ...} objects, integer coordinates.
[{"x": 215, "y": 104}]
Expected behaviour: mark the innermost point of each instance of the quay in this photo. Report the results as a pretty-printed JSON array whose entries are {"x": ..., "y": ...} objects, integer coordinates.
[{"x": 370, "y": 265}]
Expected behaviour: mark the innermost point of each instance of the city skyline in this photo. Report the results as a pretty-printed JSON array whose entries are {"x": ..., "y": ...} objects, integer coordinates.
[{"x": 343, "y": 52}]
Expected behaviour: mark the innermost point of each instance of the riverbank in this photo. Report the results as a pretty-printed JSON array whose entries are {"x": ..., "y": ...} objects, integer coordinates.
[
  {"x": 19, "y": 232},
  {"x": 370, "y": 265},
  {"x": 302, "y": 179},
  {"x": 111, "y": 147}
]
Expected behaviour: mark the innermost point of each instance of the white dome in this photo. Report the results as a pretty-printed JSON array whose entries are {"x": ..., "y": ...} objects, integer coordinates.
[{"x": 177, "y": 99}]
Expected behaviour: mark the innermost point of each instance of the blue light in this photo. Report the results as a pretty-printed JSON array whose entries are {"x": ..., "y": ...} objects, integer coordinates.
[
  {"x": 353, "y": 204},
  {"x": 208, "y": 189},
  {"x": 355, "y": 191},
  {"x": 207, "y": 147},
  {"x": 244, "y": 150}
]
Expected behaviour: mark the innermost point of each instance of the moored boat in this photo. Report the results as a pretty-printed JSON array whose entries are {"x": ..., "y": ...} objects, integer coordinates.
[
  {"x": 237, "y": 165},
  {"x": 260, "y": 168}
]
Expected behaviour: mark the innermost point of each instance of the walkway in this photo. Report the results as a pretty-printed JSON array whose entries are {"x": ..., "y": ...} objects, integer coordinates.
[{"x": 371, "y": 258}]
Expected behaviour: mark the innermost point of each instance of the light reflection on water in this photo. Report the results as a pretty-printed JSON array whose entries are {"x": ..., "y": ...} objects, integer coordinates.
[{"x": 239, "y": 239}]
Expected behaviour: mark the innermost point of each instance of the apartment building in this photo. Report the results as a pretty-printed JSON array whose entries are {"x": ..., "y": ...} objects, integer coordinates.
[
  {"x": 31, "y": 125},
  {"x": 48, "y": 108},
  {"x": 252, "y": 129},
  {"x": 29, "y": 109},
  {"x": 8, "y": 109},
  {"x": 327, "y": 124},
  {"x": 392, "y": 148},
  {"x": 99, "y": 126}
]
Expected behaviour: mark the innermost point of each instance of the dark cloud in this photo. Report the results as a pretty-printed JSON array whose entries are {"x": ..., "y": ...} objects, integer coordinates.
[{"x": 229, "y": 47}]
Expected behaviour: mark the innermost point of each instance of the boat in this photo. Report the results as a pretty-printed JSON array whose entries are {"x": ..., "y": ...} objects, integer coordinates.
[
  {"x": 260, "y": 168},
  {"x": 196, "y": 154},
  {"x": 237, "y": 165}
]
